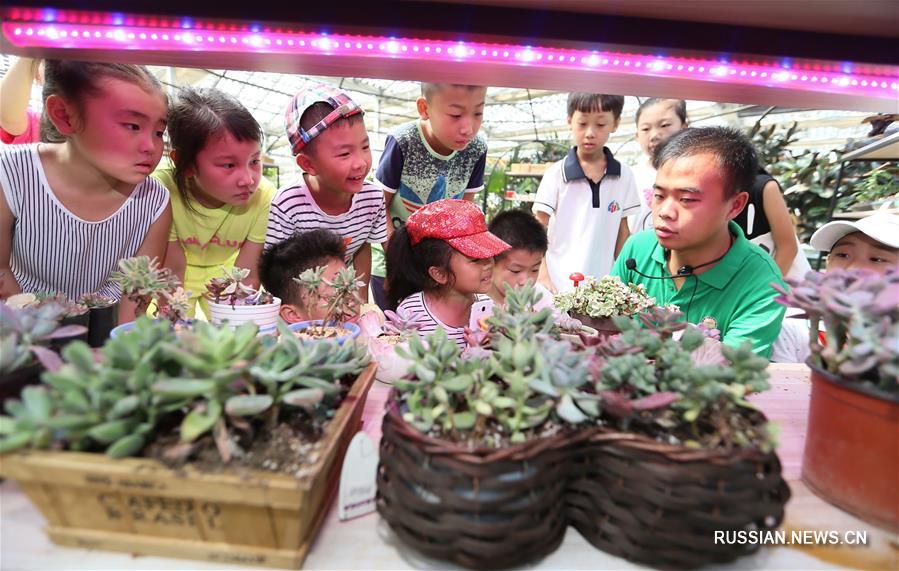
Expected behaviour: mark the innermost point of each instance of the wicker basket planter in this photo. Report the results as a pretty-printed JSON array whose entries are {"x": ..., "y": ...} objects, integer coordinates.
[
  {"x": 482, "y": 508},
  {"x": 139, "y": 506},
  {"x": 660, "y": 505},
  {"x": 627, "y": 494}
]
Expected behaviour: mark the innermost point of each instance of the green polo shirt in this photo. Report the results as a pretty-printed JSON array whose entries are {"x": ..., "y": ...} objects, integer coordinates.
[{"x": 735, "y": 295}]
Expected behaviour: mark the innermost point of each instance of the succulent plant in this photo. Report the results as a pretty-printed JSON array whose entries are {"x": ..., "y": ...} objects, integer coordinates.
[
  {"x": 689, "y": 390},
  {"x": 207, "y": 379},
  {"x": 69, "y": 308},
  {"x": 859, "y": 310},
  {"x": 143, "y": 282},
  {"x": 97, "y": 300},
  {"x": 340, "y": 302},
  {"x": 527, "y": 379},
  {"x": 605, "y": 297},
  {"x": 396, "y": 325},
  {"x": 229, "y": 289},
  {"x": 89, "y": 404},
  {"x": 26, "y": 333},
  {"x": 518, "y": 319}
]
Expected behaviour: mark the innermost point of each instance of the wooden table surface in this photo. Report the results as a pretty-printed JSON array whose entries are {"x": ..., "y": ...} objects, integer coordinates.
[{"x": 368, "y": 543}]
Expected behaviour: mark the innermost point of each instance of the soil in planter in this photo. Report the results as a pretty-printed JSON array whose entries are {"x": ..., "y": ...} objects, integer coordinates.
[
  {"x": 710, "y": 431},
  {"x": 492, "y": 436},
  {"x": 328, "y": 332},
  {"x": 291, "y": 448}
]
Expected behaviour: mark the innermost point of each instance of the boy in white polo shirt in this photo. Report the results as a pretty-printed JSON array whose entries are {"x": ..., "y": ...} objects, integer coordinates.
[{"x": 585, "y": 198}]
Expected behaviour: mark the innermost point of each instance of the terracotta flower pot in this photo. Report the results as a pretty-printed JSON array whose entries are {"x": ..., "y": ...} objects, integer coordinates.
[{"x": 851, "y": 456}]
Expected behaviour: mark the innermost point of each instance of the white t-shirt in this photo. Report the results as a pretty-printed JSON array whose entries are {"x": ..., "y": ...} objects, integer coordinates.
[
  {"x": 645, "y": 177},
  {"x": 584, "y": 216},
  {"x": 791, "y": 345}
]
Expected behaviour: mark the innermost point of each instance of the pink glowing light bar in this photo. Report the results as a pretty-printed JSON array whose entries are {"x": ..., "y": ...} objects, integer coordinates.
[{"x": 148, "y": 34}]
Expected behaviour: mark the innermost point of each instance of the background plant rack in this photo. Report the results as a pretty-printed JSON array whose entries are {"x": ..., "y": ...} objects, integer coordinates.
[{"x": 523, "y": 170}]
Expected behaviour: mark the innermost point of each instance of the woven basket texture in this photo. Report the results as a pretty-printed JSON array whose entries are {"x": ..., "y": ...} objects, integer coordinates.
[
  {"x": 660, "y": 505},
  {"x": 627, "y": 494},
  {"x": 483, "y": 509}
]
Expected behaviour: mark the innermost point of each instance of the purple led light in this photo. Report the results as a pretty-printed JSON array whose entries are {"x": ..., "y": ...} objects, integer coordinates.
[{"x": 63, "y": 33}]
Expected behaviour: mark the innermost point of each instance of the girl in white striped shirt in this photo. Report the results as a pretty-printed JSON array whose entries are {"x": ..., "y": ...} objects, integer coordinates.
[
  {"x": 439, "y": 264},
  {"x": 72, "y": 208}
]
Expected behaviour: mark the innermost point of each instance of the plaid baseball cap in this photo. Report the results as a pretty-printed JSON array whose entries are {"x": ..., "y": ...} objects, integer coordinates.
[
  {"x": 313, "y": 93},
  {"x": 460, "y": 224}
]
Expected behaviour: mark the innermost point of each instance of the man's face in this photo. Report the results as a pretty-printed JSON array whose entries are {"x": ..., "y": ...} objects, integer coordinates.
[
  {"x": 858, "y": 250},
  {"x": 689, "y": 207}
]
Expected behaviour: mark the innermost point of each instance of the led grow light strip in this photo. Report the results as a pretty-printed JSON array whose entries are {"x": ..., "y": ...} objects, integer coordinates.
[{"x": 211, "y": 39}]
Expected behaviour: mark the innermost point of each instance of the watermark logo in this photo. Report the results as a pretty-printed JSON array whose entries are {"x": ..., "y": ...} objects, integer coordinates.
[{"x": 793, "y": 537}]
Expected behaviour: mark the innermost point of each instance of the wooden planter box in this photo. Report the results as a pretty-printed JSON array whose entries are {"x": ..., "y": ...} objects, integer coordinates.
[{"x": 140, "y": 506}]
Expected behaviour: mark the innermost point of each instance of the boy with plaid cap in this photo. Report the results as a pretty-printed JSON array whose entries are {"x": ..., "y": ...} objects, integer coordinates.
[{"x": 328, "y": 139}]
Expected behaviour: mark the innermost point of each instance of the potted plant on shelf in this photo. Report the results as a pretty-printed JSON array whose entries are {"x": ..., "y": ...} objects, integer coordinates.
[
  {"x": 679, "y": 452},
  {"x": 238, "y": 441},
  {"x": 336, "y": 300},
  {"x": 232, "y": 301},
  {"x": 103, "y": 317},
  {"x": 851, "y": 455},
  {"x": 595, "y": 302},
  {"x": 25, "y": 337},
  {"x": 148, "y": 285}
]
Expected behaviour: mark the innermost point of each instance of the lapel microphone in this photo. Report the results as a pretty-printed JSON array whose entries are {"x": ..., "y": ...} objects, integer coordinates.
[{"x": 682, "y": 272}]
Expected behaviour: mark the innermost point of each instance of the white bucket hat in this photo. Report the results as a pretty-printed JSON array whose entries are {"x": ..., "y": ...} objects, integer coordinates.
[{"x": 882, "y": 227}]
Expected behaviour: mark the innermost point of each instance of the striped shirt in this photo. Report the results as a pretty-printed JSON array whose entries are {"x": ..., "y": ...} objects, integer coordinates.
[
  {"x": 415, "y": 309},
  {"x": 55, "y": 250},
  {"x": 295, "y": 211}
]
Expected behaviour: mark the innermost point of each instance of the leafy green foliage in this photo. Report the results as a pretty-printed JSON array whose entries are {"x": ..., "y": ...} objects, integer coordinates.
[{"x": 809, "y": 178}]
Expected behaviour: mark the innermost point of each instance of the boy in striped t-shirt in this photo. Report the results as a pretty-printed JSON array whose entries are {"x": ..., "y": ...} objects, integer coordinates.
[{"x": 328, "y": 139}]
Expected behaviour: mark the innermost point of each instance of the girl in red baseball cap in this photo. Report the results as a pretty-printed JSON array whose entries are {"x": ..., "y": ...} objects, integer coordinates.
[{"x": 440, "y": 264}]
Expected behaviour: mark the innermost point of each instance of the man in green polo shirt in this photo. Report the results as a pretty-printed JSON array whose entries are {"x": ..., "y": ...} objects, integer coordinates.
[{"x": 695, "y": 257}]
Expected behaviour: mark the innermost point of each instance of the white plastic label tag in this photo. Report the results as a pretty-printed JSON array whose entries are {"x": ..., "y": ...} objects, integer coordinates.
[{"x": 358, "y": 478}]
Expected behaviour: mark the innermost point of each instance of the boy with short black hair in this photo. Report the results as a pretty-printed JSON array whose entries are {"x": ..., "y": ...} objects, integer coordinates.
[
  {"x": 696, "y": 257},
  {"x": 440, "y": 155},
  {"x": 585, "y": 199},
  {"x": 521, "y": 230},
  {"x": 328, "y": 138},
  {"x": 282, "y": 262}
]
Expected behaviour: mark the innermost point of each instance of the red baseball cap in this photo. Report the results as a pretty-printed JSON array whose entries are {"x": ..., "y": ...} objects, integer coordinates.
[{"x": 460, "y": 224}]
